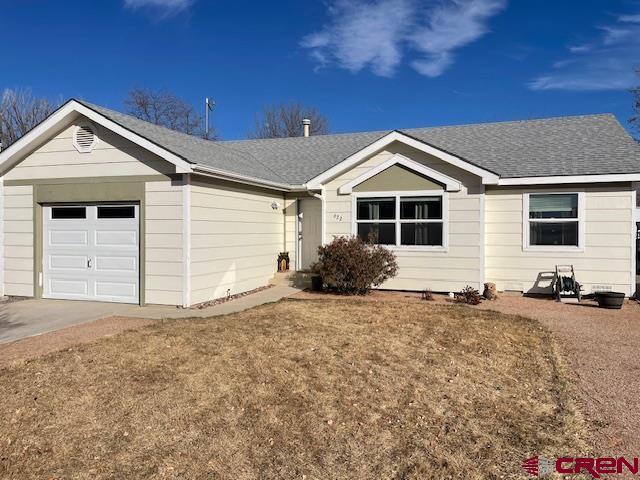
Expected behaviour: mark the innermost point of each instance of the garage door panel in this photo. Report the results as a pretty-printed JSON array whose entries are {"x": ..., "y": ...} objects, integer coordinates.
[
  {"x": 68, "y": 262},
  {"x": 119, "y": 239},
  {"x": 92, "y": 256},
  {"x": 116, "y": 264},
  {"x": 71, "y": 287},
  {"x": 116, "y": 290},
  {"x": 68, "y": 238}
]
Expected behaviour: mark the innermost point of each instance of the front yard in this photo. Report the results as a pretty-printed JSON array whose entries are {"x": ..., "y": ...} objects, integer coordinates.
[{"x": 298, "y": 389}]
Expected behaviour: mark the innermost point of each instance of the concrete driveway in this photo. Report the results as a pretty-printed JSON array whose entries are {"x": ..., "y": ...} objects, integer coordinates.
[
  {"x": 27, "y": 318},
  {"x": 32, "y": 317}
]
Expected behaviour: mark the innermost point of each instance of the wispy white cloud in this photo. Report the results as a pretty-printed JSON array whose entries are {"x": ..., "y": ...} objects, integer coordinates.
[
  {"x": 363, "y": 35},
  {"x": 378, "y": 34},
  {"x": 629, "y": 18},
  {"x": 579, "y": 48},
  {"x": 449, "y": 26},
  {"x": 607, "y": 63},
  {"x": 164, "y": 7}
]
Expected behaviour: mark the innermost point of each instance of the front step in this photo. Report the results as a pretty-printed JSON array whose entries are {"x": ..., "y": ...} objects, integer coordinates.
[{"x": 292, "y": 279}]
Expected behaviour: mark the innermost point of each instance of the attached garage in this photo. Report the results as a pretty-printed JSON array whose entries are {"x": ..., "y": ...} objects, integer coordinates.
[
  {"x": 91, "y": 252},
  {"x": 100, "y": 206}
]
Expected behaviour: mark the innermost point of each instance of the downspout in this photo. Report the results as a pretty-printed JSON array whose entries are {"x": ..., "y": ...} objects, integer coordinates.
[
  {"x": 483, "y": 240},
  {"x": 2, "y": 233},
  {"x": 635, "y": 217},
  {"x": 186, "y": 240},
  {"x": 2, "y": 236}
]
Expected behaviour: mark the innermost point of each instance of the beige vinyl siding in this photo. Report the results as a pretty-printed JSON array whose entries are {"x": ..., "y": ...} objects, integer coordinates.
[
  {"x": 164, "y": 243},
  {"x": 396, "y": 178},
  {"x": 442, "y": 271},
  {"x": 606, "y": 259},
  {"x": 18, "y": 240},
  {"x": 112, "y": 156},
  {"x": 236, "y": 236}
]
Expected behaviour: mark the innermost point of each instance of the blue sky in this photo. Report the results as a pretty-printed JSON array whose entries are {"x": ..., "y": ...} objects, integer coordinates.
[{"x": 367, "y": 65}]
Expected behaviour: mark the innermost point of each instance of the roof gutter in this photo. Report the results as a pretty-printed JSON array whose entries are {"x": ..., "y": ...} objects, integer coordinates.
[
  {"x": 563, "y": 179},
  {"x": 247, "y": 180}
]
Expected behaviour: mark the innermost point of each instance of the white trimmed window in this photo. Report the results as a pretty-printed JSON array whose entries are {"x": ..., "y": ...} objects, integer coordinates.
[
  {"x": 553, "y": 220},
  {"x": 399, "y": 220}
]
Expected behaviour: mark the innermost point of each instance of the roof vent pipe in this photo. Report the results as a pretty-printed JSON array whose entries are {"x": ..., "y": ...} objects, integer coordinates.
[{"x": 306, "y": 127}]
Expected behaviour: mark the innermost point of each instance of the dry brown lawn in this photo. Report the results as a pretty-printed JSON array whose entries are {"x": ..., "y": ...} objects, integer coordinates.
[{"x": 297, "y": 389}]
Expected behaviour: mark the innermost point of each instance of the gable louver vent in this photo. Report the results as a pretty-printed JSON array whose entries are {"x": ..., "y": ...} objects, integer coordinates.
[{"x": 84, "y": 138}]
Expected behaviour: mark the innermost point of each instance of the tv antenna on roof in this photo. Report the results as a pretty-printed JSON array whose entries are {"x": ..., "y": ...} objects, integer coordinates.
[{"x": 208, "y": 107}]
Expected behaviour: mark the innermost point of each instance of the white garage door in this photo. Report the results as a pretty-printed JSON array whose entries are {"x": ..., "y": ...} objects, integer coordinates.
[{"x": 91, "y": 252}]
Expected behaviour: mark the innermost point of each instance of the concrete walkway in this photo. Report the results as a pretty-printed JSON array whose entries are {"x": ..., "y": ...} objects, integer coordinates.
[{"x": 34, "y": 317}]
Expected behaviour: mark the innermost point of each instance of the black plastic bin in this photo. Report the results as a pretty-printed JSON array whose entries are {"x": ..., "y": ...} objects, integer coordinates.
[
  {"x": 613, "y": 300},
  {"x": 316, "y": 283}
]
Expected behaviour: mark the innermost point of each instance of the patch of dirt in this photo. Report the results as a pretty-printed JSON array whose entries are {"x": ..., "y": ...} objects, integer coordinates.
[
  {"x": 12, "y": 299},
  {"x": 295, "y": 389},
  {"x": 218, "y": 301},
  {"x": 39, "y": 345}
]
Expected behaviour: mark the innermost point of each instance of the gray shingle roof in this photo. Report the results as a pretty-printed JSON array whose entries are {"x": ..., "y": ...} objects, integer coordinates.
[
  {"x": 579, "y": 145},
  {"x": 192, "y": 149}
]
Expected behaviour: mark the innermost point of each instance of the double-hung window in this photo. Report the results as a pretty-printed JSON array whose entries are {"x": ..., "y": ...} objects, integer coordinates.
[
  {"x": 402, "y": 221},
  {"x": 553, "y": 220}
]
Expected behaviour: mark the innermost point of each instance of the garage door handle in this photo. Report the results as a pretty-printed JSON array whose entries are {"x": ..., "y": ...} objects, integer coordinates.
[{"x": 89, "y": 263}]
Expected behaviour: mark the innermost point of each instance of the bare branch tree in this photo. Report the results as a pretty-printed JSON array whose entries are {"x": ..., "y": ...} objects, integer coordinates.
[
  {"x": 20, "y": 111},
  {"x": 635, "y": 119},
  {"x": 285, "y": 120},
  {"x": 166, "y": 109}
]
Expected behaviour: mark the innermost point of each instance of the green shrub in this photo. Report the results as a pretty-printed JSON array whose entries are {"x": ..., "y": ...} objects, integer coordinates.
[{"x": 351, "y": 266}]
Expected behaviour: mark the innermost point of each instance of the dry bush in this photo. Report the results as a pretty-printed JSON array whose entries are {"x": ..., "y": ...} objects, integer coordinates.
[
  {"x": 427, "y": 294},
  {"x": 469, "y": 295},
  {"x": 351, "y": 266}
]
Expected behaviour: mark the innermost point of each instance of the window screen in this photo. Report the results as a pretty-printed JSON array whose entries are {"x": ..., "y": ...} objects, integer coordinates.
[{"x": 553, "y": 206}]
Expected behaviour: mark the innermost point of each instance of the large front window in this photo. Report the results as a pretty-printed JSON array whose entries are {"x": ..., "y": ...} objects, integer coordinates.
[
  {"x": 554, "y": 220},
  {"x": 397, "y": 220}
]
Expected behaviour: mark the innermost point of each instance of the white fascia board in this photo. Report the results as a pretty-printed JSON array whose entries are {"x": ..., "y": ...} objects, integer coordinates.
[
  {"x": 561, "y": 179},
  {"x": 182, "y": 166},
  {"x": 66, "y": 113},
  {"x": 13, "y": 154},
  {"x": 452, "y": 185},
  {"x": 233, "y": 177},
  {"x": 488, "y": 178}
]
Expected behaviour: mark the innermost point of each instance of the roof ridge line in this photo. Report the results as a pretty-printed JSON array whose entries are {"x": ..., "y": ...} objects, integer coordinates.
[
  {"x": 435, "y": 127},
  {"x": 507, "y": 122}
]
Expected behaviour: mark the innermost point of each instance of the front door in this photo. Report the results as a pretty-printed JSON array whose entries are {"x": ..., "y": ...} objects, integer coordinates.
[
  {"x": 309, "y": 230},
  {"x": 91, "y": 252}
]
